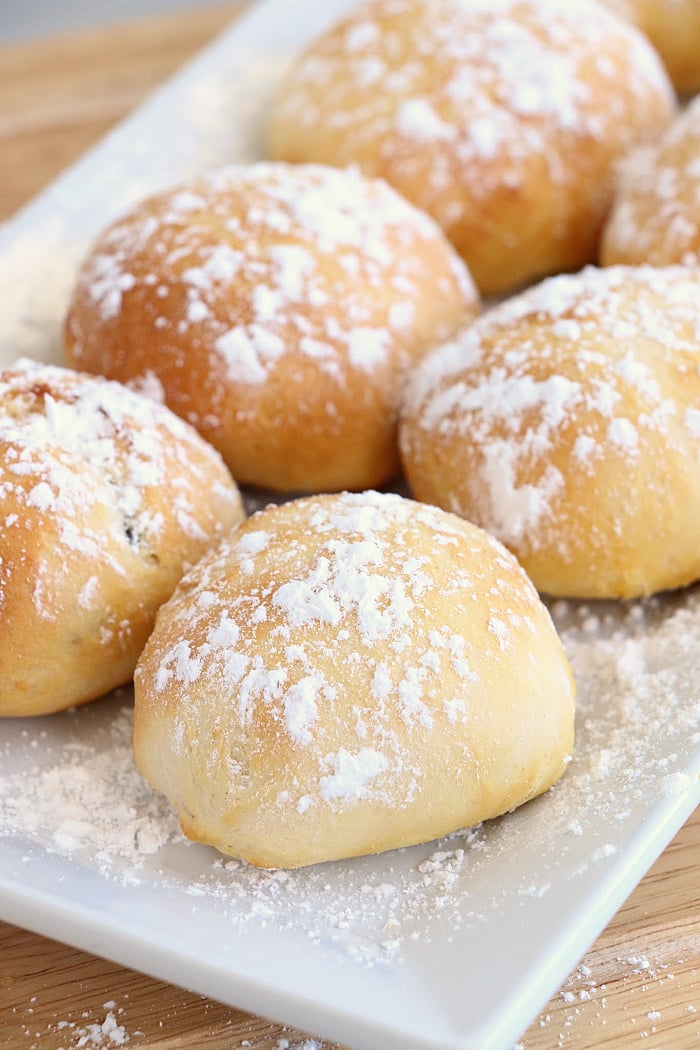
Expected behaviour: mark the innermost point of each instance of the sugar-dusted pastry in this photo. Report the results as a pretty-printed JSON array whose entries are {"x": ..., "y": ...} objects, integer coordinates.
[
  {"x": 278, "y": 309},
  {"x": 566, "y": 421},
  {"x": 673, "y": 26},
  {"x": 106, "y": 498},
  {"x": 349, "y": 674},
  {"x": 656, "y": 215},
  {"x": 503, "y": 119}
]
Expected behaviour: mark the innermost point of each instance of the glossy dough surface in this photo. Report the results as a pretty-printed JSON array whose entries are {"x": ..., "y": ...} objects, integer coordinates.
[
  {"x": 106, "y": 499},
  {"x": 503, "y": 119},
  {"x": 656, "y": 215},
  {"x": 566, "y": 421},
  {"x": 673, "y": 26},
  {"x": 349, "y": 674},
  {"x": 277, "y": 308}
]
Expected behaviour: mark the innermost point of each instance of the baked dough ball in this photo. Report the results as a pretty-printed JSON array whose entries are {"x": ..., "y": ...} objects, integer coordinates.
[
  {"x": 278, "y": 308},
  {"x": 656, "y": 215},
  {"x": 567, "y": 423},
  {"x": 106, "y": 498},
  {"x": 349, "y": 674},
  {"x": 503, "y": 120},
  {"x": 673, "y": 26}
]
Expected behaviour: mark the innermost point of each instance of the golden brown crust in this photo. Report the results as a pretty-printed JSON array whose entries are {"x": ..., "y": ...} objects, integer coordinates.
[
  {"x": 502, "y": 120},
  {"x": 350, "y": 674},
  {"x": 106, "y": 498},
  {"x": 566, "y": 421},
  {"x": 278, "y": 309},
  {"x": 673, "y": 27},
  {"x": 656, "y": 215}
]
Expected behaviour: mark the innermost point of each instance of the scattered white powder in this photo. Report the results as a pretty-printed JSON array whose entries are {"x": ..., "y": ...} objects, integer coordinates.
[
  {"x": 603, "y": 852},
  {"x": 108, "y": 1031},
  {"x": 352, "y": 773},
  {"x": 515, "y": 509},
  {"x": 418, "y": 120},
  {"x": 83, "y": 457},
  {"x": 356, "y": 579},
  {"x": 692, "y": 420},
  {"x": 456, "y": 709},
  {"x": 180, "y": 663},
  {"x": 149, "y": 385},
  {"x": 249, "y": 352},
  {"x": 500, "y": 629},
  {"x": 566, "y": 328},
  {"x": 656, "y": 216},
  {"x": 677, "y": 784},
  {"x": 359, "y": 36},
  {"x": 69, "y": 786},
  {"x": 480, "y": 80},
  {"x": 639, "y": 982},
  {"x": 281, "y": 260},
  {"x": 331, "y": 589},
  {"x": 584, "y": 447},
  {"x": 622, "y": 432},
  {"x": 301, "y": 707},
  {"x": 521, "y": 421},
  {"x": 87, "y": 595},
  {"x": 368, "y": 347}
]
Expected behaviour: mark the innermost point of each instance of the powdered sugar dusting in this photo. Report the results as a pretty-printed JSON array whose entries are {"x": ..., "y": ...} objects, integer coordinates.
[
  {"x": 344, "y": 630},
  {"x": 352, "y": 773},
  {"x": 310, "y": 241},
  {"x": 511, "y": 61},
  {"x": 69, "y": 787},
  {"x": 656, "y": 216},
  {"x": 533, "y": 412},
  {"x": 477, "y": 101},
  {"x": 86, "y": 796},
  {"x": 370, "y": 913},
  {"x": 88, "y": 454},
  {"x": 383, "y": 606}
]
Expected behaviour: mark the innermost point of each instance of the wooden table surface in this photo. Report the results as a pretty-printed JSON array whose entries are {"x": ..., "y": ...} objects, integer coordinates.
[{"x": 638, "y": 986}]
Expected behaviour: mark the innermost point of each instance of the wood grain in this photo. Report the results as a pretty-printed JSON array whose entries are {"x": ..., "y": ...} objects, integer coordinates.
[
  {"x": 638, "y": 986},
  {"x": 58, "y": 97},
  {"x": 646, "y": 963}
]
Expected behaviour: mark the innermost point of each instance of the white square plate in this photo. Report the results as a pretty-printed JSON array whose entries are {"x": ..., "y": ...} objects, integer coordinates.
[{"x": 455, "y": 945}]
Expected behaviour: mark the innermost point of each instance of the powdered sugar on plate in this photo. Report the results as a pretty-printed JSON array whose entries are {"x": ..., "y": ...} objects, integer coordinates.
[
  {"x": 69, "y": 786},
  {"x": 358, "y": 950}
]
